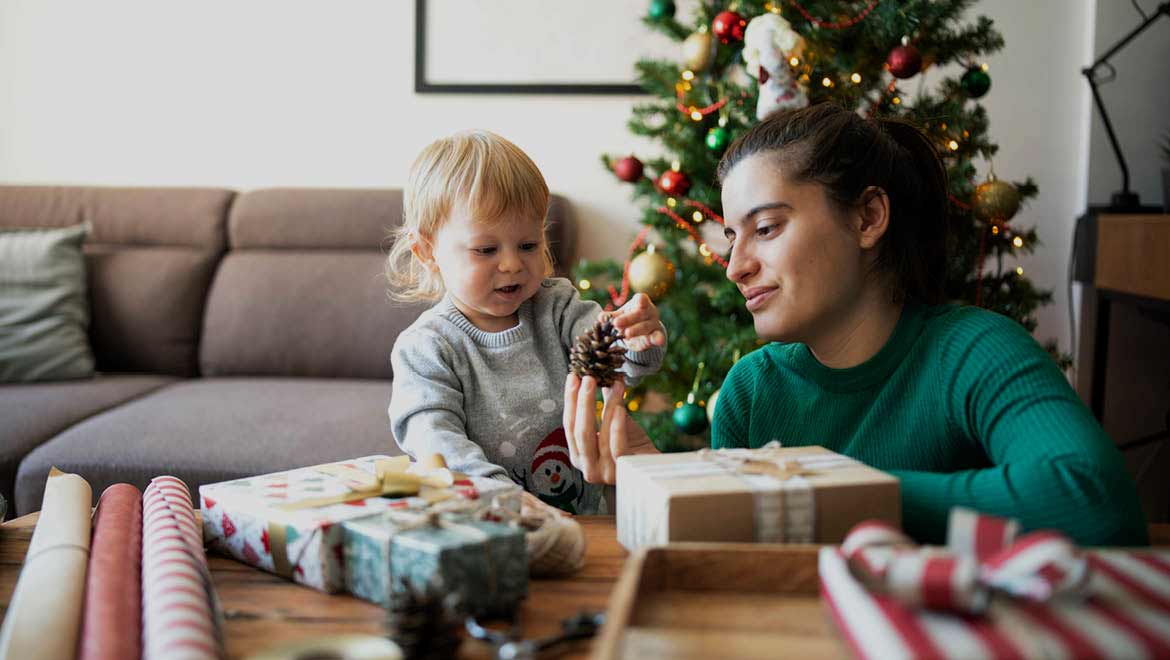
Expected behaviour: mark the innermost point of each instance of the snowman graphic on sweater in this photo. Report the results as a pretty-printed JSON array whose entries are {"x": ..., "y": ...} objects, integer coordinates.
[{"x": 552, "y": 476}]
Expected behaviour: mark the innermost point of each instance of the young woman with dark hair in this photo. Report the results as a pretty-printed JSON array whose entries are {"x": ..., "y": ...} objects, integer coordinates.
[{"x": 838, "y": 227}]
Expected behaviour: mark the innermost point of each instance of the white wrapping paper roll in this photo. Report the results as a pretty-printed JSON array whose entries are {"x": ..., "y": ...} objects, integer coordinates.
[
  {"x": 179, "y": 611},
  {"x": 44, "y": 614}
]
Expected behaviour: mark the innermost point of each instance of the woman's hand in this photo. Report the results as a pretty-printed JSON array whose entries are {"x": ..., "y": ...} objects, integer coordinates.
[
  {"x": 593, "y": 450},
  {"x": 639, "y": 323}
]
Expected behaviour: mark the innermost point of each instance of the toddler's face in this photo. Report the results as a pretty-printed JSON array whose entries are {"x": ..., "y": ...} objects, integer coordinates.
[{"x": 489, "y": 269}]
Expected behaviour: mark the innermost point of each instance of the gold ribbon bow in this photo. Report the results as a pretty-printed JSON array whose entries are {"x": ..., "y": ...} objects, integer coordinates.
[{"x": 429, "y": 479}]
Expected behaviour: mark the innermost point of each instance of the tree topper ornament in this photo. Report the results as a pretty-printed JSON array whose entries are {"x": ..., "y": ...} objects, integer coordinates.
[{"x": 768, "y": 43}]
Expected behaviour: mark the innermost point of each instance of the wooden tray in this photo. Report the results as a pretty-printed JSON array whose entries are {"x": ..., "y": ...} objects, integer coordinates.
[{"x": 725, "y": 600}]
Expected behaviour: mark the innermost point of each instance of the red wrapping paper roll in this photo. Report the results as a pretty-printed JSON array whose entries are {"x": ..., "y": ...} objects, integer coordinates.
[{"x": 110, "y": 623}]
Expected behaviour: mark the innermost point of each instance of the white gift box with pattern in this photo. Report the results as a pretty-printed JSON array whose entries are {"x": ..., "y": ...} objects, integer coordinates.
[{"x": 288, "y": 522}]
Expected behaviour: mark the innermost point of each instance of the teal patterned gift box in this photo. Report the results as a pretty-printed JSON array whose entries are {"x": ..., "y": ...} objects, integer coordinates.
[{"x": 484, "y": 562}]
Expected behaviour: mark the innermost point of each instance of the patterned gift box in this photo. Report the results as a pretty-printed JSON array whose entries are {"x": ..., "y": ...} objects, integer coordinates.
[
  {"x": 770, "y": 495},
  {"x": 288, "y": 522},
  {"x": 990, "y": 595},
  {"x": 484, "y": 562}
]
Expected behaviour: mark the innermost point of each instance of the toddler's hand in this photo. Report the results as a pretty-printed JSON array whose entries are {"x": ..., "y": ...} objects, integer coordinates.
[{"x": 638, "y": 321}]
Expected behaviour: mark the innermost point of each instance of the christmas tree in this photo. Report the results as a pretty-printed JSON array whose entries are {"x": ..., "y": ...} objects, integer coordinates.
[{"x": 739, "y": 61}]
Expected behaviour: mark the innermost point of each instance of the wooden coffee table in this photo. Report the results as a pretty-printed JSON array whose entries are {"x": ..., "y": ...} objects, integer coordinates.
[{"x": 262, "y": 610}]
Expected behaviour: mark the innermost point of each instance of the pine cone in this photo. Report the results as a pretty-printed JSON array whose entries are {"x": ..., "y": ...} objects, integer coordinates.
[
  {"x": 597, "y": 353},
  {"x": 424, "y": 622}
]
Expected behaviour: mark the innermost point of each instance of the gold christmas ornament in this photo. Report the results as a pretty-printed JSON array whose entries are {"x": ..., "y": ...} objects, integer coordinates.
[
  {"x": 996, "y": 201},
  {"x": 651, "y": 274},
  {"x": 697, "y": 51}
]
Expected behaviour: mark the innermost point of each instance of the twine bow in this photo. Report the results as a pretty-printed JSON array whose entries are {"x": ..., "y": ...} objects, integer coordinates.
[
  {"x": 983, "y": 558},
  {"x": 759, "y": 462},
  {"x": 453, "y": 517}
]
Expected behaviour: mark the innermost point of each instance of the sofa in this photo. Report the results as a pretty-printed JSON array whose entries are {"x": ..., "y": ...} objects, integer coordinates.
[{"x": 234, "y": 334}]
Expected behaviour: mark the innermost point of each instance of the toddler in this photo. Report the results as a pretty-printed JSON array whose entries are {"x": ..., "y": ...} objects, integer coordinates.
[{"x": 479, "y": 376}]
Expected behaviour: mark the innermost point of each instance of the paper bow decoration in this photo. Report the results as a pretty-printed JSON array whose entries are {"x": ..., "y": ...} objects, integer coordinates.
[
  {"x": 429, "y": 480},
  {"x": 396, "y": 477},
  {"x": 983, "y": 557}
]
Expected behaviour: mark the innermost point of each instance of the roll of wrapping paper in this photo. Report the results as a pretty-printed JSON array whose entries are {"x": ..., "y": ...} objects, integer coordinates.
[
  {"x": 180, "y": 614},
  {"x": 44, "y": 614},
  {"x": 110, "y": 621}
]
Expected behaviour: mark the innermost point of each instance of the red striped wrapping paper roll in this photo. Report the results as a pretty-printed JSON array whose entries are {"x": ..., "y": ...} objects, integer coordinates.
[
  {"x": 179, "y": 610},
  {"x": 113, "y": 593}
]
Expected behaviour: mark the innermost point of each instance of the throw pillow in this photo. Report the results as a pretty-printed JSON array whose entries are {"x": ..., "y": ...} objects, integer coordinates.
[{"x": 44, "y": 314}]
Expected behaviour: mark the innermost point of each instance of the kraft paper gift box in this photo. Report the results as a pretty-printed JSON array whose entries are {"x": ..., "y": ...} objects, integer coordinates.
[
  {"x": 485, "y": 563},
  {"x": 288, "y": 523},
  {"x": 768, "y": 495}
]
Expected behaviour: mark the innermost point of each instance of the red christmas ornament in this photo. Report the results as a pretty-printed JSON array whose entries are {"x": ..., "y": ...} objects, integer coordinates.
[
  {"x": 628, "y": 169},
  {"x": 728, "y": 26},
  {"x": 675, "y": 184},
  {"x": 904, "y": 61}
]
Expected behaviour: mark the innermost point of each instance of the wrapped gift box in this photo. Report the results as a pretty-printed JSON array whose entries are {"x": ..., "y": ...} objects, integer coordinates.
[
  {"x": 991, "y": 595},
  {"x": 483, "y": 562},
  {"x": 288, "y": 522},
  {"x": 770, "y": 495}
]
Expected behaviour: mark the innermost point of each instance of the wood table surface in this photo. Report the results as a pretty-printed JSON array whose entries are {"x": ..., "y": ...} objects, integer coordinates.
[{"x": 262, "y": 610}]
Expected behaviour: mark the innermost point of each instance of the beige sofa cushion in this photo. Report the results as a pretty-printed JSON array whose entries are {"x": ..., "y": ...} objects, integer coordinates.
[{"x": 210, "y": 429}]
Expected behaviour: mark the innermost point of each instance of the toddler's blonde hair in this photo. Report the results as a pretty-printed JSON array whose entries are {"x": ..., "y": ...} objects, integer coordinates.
[{"x": 486, "y": 174}]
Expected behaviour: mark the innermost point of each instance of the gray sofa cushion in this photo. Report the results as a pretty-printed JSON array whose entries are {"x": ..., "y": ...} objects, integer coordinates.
[
  {"x": 150, "y": 258},
  {"x": 212, "y": 429},
  {"x": 44, "y": 315},
  {"x": 318, "y": 314},
  {"x": 302, "y": 292},
  {"x": 35, "y": 412}
]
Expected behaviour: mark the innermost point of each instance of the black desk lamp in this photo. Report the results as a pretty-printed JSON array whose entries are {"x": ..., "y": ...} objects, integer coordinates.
[{"x": 1125, "y": 199}]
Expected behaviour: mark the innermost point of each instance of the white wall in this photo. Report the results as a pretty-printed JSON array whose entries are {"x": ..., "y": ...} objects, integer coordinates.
[{"x": 272, "y": 92}]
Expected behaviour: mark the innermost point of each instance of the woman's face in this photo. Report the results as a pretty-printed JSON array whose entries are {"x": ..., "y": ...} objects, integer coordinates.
[{"x": 795, "y": 255}]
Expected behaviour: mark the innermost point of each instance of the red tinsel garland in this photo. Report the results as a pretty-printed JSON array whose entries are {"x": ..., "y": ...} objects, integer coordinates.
[
  {"x": 683, "y": 224},
  {"x": 617, "y": 300},
  {"x": 834, "y": 26}
]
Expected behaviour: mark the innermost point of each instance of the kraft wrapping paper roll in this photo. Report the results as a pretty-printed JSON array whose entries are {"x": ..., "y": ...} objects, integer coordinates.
[
  {"x": 179, "y": 611},
  {"x": 44, "y": 615},
  {"x": 110, "y": 622}
]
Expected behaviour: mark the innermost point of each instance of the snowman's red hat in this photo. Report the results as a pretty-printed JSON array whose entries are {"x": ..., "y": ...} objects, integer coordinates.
[{"x": 553, "y": 448}]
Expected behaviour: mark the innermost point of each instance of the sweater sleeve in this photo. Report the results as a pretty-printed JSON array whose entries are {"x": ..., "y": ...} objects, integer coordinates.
[
  {"x": 575, "y": 315},
  {"x": 732, "y": 416},
  {"x": 1052, "y": 464},
  {"x": 426, "y": 407}
]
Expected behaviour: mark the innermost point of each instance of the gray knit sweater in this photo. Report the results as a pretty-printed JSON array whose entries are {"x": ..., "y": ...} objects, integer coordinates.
[{"x": 491, "y": 402}]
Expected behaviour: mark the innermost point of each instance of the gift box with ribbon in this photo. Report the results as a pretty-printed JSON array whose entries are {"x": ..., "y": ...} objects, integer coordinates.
[
  {"x": 768, "y": 495},
  {"x": 989, "y": 594},
  {"x": 288, "y": 522},
  {"x": 445, "y": 549}
]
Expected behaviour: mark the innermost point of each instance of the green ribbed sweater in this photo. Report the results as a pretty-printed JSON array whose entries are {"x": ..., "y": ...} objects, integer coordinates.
[{"x": 964, "y": 407}]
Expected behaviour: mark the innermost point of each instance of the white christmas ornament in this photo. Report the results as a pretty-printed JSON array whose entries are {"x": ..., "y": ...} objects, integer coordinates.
[{"x": 768, "y": 43}]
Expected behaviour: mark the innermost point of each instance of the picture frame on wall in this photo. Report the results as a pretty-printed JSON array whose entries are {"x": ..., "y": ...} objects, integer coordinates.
[{"x": 532, "y": 47}]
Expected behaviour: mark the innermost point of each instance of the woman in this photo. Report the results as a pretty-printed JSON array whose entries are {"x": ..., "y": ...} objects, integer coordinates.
[{"x": 838, "y": 234}]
